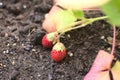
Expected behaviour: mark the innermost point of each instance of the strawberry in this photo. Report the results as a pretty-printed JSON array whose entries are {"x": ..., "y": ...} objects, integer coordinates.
[
  {"x": 48, "y": 39},
  {"x": 58, "y": 52}
]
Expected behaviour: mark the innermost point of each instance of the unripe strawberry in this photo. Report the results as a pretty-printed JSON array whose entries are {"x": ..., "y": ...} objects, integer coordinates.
[
  {"x": 58, "y": 52},
  {"x": 48, "y": 39}
]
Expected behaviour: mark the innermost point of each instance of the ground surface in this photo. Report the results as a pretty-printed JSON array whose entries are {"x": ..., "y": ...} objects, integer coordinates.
[{"x": 23, "y": 58}]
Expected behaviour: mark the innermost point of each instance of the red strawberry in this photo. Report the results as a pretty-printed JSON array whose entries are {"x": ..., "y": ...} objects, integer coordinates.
[
  {"x": 58, "y": 52},
  {"x": 48, "y": 39}
]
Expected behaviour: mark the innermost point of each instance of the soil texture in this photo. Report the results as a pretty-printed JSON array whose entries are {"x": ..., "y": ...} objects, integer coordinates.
[{"x": 22, "y": 56}]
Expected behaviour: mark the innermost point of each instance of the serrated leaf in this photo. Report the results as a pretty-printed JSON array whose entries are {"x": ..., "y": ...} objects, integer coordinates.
[
  {"x": 79, "y": 14},
  {"x": 63, "y": 18},
  {"x": 112, "y": 10},
  {"x": 116, "y": 66}
]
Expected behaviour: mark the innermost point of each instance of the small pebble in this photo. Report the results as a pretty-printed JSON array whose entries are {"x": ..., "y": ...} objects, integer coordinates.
[
  {"x": 13, "y": 62},
  {"x": 68, "y": 35},
  {"x": 109, "y": 49},
  {"x": 4, "y": 52},
  {"x": 20, "y": 17},
  {"x": 14, "y": 44},
  {"x": 102, "y": 37},
  {"x": 7, "y": 51},
  {"x": 39, "y": 75},
  {"x": 1, "y": 64},
  {"x": 1, "y": 4},
  {"x": 8, "y": 44},
  {"x": 11, "y": 52},
  {"x": 33, "y": 50},
  {"x": 24, "y": 6},
  {"x": 46, "y": 15},
  {"x": 6, "y": 34},
  {"x": 22, "y": 44},
  {"x": 27, "y": 48},
  {"x": 70, "y": 54},
  {"x": 109, "y": 40},
  {"x": 4, "y": 65}
]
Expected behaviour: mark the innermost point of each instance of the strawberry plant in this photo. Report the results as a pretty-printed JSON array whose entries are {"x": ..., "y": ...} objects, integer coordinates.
[{"x": 67, "y": 19}]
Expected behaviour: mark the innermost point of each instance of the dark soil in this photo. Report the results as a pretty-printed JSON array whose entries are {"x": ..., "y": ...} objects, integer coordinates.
[{"x": 22, "y": 56}]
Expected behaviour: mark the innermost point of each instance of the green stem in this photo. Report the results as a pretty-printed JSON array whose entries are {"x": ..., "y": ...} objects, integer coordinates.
[
  {"x": 72, "y": 28},
  {"x": 98, "y": 18},
  {"x": 81, "y": 24},
  {"x": 70, "y": 25}
]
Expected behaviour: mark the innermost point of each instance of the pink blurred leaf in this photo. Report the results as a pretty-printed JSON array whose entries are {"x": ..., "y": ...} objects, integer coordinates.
[{"x": 101, "y": 66}]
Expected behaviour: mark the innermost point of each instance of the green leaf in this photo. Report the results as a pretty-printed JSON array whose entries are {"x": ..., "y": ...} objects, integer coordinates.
[
  {"x": 112, "y": 10},
  {"x": 116, "y": 71},
  {"x": 79, "y": 14},
  {"x": 64, "y": 18},
  {"x": 116, "y": 66}
]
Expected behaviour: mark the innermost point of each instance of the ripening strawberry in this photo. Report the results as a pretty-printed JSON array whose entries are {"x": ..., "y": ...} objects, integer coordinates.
[
  {"x": 58, "y": 52},
  {"x": 48, "y": 39}
]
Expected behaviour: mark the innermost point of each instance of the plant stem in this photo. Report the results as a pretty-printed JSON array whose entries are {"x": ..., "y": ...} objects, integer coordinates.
[
  {"x": 81, "y": 24},
  {"x": 114, "y": 40},
  {"x": 69, "y": 26},
  {"x": 72, "y": 28},
  {"x": 98, "y": 18}
]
